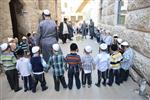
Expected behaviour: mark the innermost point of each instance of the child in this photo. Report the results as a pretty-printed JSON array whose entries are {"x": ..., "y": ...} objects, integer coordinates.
[
  {"x": 87, "y": 64},
  {"x": 127, "y": 61},
  {"x": 24, "y": 45},
  {"x": 24, "y": 67},
  {"x": 74, "y": 62},
  {"x": 8, "y": 60},
  {"x": 115, "y": 60},
  {"x": 102, "y": 61},
  {"x": 38, "y": 65},
  {"x": 57, "y": 62}
]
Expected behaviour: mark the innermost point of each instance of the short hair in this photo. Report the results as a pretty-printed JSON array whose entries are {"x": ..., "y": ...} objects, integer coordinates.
[
  {"x": 20, "y": 52},
  {"x": 29, "y": 34},
  {"x": 73, "y": 47},
  {"x": 65, "y": 19},
  {"x": 114, "y": 47}
]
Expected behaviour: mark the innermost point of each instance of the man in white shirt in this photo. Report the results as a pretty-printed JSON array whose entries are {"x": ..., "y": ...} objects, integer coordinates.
[
  {"x": 102, "y": 62},
  {"x": 64, "y": 31}
]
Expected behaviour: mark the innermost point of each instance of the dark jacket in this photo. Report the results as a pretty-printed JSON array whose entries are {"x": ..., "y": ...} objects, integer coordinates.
[{"x": 36, "y": 64}]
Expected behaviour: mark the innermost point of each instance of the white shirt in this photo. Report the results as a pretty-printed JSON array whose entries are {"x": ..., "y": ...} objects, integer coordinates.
[
  {"x": 108, "y": 40},
  {"x": 24, "y": 66},
  {"x": 65, "y": 29},
  {"x": 102, "y": 61}
]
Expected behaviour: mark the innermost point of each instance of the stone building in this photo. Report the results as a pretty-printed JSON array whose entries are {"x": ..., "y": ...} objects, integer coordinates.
[
  {"x": 130, "y": 19},
  {"x": 18, "y": 17}
]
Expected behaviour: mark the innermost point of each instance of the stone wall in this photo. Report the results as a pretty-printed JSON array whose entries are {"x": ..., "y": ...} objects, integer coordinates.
[
  {"x": 136, "y": 30},
  {"x": 5, "y": 20},
  {"x": 28, "y": 19}
]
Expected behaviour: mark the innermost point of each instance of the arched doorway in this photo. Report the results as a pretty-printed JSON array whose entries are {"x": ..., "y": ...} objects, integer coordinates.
[{"x": 15, "y": 8}]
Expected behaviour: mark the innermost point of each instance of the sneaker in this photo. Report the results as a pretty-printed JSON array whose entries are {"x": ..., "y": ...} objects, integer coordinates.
[
  {"x": 104, "y": 83},
  {"x": 98, "y": 85},
  {"x": 18, "y": 89},
  {"x": 109, "y": 84},
  {"x": 118, "y": 84},
  {"x": 25, "y": 90},
  {"x": 83, "y": 86},
  {"x": 89, "y": 86},
  {"x": 45, "y": 88}
]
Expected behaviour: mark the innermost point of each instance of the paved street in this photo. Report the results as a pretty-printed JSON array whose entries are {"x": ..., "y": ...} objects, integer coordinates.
[{"x": 123, "y": 92}]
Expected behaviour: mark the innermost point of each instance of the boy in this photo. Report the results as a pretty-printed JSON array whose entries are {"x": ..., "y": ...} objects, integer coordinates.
[
  {"x": 102, "y": 61},
  {"x": 127, "y": 61},
  {"x": 24, "y": 67},
  {"x": 74, "y": 62},
  {"x": 38, "y": 65},
  {"x": 57, "y": 62},
  {"x": 24, "y": 45},
  {"x": 115, "y": 60},
  {"x": 87, "y": 64},
  {"x": 8, "y": 60}
]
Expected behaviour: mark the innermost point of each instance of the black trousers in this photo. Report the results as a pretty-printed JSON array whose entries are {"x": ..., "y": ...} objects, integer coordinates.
[
  {"x": 72, "y": 73},
  {"x": 39, "y": 78},
  {"x": 102, "y": 75},
  {"x": 13, "y": 79},
  {"x": 57, "y": 80},
  {"x": 86, "y": 78},
  {"x": 65, "y": 37},
  {"x": 114, "y": 74},
  {"x": 27, "y": 82},
  {"x": 124, "y": 74}
]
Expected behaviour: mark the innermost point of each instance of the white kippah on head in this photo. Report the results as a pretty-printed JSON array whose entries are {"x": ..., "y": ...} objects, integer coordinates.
[
  {"x": 4, "y": 46},
  {"x": 46, "y": 12},
  {"x": 125, "y": 43},
  {"x": 56, "y": 47},
  {"x": 103, "y": 46},
  {"x": 35, "y": 49},
  {"x": 88, "y": 49}
]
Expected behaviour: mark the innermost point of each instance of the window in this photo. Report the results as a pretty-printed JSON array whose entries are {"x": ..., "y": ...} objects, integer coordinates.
[{"x": 122, "y": 11}]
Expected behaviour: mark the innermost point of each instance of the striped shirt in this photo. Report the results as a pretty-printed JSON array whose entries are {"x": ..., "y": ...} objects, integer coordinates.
[
  {"x": 74, "y": 61},
  {"x": 24, "y": 46},
  {"x": 8, "y": 60},
  {"x": 115, "y": 60},
  {"x": 58, "y": 64}
]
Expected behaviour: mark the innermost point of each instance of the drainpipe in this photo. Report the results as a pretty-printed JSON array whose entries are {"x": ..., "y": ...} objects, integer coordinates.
[{"x": 56, "y": 10}]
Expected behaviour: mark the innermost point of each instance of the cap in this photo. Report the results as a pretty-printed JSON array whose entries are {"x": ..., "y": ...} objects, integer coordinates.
[
  {"x": 125, "y": 43},
  {"x": 115, "y": 35},
  {"x": 119, "y": 40},
  {"x": 35, "y": 49},
  {"x": 103, "y": 46},
  {"x": 46, "y": 12},
  {"x": 56, "y": 47},
  {"x": 24, "y": 38},
  {"x": 10, "y": 39},
  {"x": 4, "y": 46},
  {"x": 88, "y": 49}
]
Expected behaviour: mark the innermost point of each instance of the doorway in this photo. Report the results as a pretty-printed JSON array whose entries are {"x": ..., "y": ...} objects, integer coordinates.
[{"x": 15, "y": 8}]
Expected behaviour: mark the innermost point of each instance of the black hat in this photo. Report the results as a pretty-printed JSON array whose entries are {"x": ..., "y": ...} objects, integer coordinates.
[{"x": 114, "y": 47}]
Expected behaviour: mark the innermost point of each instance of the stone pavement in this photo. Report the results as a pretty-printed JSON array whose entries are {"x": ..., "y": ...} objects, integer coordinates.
[{"x": 125, "y": 91}]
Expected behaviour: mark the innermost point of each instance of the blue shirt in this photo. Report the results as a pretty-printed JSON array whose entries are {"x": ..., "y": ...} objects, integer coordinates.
[{"x": 127, "y": 61}]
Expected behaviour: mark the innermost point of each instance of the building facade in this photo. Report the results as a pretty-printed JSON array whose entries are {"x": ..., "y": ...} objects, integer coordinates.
[
  {"x": 130, "y": 19},
  {"x": 19, "y": 17}
]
